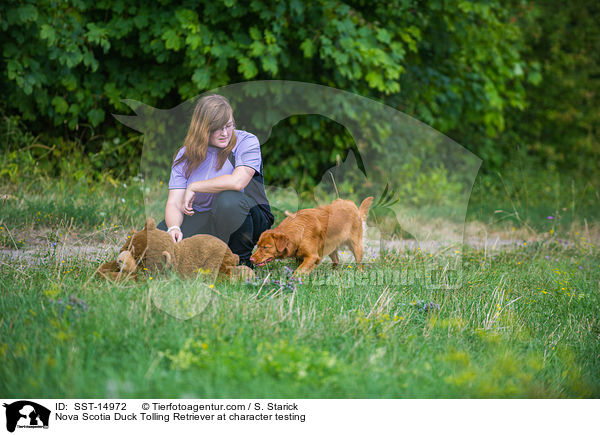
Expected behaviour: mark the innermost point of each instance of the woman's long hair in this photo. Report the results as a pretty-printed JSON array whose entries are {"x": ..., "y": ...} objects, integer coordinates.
[{"x": 211, "y": 112}]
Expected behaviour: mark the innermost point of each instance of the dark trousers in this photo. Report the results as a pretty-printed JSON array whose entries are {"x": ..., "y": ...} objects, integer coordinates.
[{"x": 235, "y": 218}]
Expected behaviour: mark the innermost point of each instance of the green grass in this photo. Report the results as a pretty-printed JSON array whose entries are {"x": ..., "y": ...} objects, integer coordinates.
[
  {"x": 521, "y": 325},
  {"x": 91, "y": 211},
  {"x": 523, "y": 322},
  {"x": 525, "y": 196}
]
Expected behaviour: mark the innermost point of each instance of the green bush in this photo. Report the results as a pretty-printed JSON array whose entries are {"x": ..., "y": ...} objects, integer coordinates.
[
  {"x": 559, "y": 129},
  {"x": 67, "y": 65}
]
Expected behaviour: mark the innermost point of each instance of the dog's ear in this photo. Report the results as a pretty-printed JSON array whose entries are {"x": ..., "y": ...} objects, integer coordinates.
[
  {"x": 150, "y": 224},
  {"x": 282, "y": 243},
  {"x": 167, "y": 258},
  {"x": 105, "y": 270}
]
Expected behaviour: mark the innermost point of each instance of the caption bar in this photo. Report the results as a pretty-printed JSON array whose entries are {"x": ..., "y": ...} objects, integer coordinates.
[
  {"x": 176, "y": 411},
  {"x": 262, "y": 416}
]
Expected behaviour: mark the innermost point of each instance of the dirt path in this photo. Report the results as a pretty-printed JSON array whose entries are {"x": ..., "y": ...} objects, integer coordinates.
[
  {"x": 107, "y": 251},
  {"x": 40, "y": 255}
]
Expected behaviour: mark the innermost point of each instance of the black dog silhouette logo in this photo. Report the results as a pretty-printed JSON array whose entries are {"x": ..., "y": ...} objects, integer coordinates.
[{"x": 26, "y": 414}]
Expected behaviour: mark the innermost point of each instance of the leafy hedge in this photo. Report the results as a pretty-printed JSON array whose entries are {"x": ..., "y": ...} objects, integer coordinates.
[
  {"x": 561, "y": 126},
  {"x": 457, "y": 66}
]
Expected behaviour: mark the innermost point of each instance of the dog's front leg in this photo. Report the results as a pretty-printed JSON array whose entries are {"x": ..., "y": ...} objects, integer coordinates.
[
  {"x": 334, "y": 258},
  {"x": 308, "y": 264}
]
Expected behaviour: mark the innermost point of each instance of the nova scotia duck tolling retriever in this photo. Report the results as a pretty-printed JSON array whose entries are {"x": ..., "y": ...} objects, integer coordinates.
[{"x": 313, "y": 233}]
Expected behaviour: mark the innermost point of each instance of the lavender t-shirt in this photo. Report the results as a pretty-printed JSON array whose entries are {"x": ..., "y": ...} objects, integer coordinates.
[{"x": 246, "y": 152}]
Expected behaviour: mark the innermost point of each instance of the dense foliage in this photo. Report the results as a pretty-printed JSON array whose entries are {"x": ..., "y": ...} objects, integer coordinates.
[
  {"x": 461, "y": 67},
  {"x": 561, "y": 124}
]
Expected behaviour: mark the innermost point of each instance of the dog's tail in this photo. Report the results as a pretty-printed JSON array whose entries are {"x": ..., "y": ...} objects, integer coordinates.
[{"x": 363, "y": 210}]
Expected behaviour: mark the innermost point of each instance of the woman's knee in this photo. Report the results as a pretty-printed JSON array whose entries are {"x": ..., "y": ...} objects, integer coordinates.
[{"x": 229, "y": 201}]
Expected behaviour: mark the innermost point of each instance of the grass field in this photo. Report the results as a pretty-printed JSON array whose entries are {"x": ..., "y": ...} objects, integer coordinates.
[{"x": 525, "y": 321}]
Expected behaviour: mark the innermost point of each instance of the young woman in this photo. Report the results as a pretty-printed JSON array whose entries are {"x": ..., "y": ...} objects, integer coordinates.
[{"x": 216, "y": 185}]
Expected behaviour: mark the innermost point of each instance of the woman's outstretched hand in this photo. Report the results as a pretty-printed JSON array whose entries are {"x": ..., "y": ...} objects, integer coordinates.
[
  {"x": 188, "y": 201},
  {"x": 176, "y": 235}
]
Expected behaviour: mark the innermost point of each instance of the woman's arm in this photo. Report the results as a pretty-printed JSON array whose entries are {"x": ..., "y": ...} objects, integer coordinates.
[
  {"x": 237, "y": 180},
  {"x": 173, "y": 212}
]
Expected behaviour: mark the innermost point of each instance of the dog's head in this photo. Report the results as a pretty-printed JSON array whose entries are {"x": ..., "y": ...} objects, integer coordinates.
[
  {"x": 126, "y": 262},
  {"x": 271, "y": 245}
]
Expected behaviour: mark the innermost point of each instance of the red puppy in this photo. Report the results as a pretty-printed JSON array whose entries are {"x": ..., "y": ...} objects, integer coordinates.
[{"x": 313, "y": 233}]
